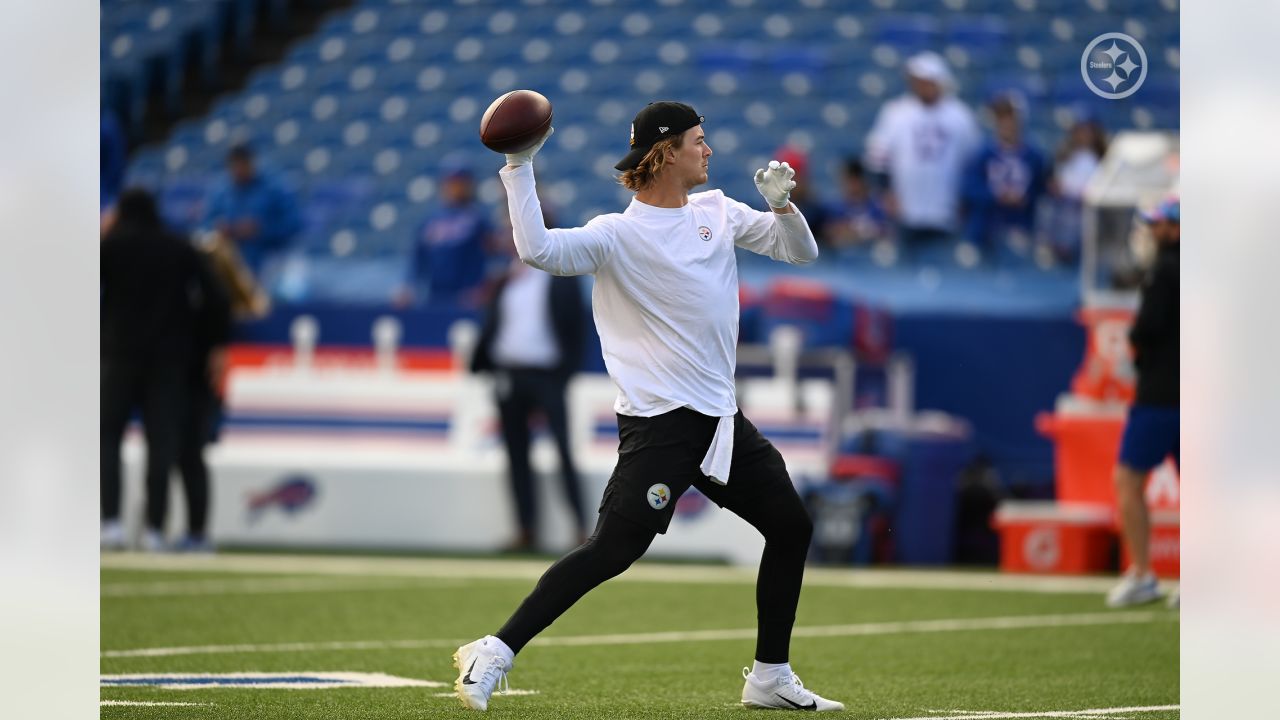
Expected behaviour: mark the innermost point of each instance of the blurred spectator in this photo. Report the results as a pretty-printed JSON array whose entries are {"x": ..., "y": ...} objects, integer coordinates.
[
  {"x": 1074, "y": 165},
  {"x": 112, "y": 148},
  {"x": 1151, "y": 432},
  {"x": 1005, "y": 181},
  {"x": 857, "y": 218},
  {"x": 1079, "y": 156},
  {"x": 922, "y": 141},
  {"x": 814, "y": 211},
  {"x": 451, "y": 248},
  {"x": 156, "y": 293},
  {"x": 249, "y": 300},
  {"x": 203, "y": 414},
  {"x": 532, "y": 342},
  {"x": 253, "y": 209}
]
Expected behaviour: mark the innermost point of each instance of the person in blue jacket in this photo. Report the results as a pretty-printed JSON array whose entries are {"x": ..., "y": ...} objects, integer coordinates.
[
  {"x": 253, "y": 209},
  {"x": 452, "y": 247},
  {"x": 1004, "y": 181}
]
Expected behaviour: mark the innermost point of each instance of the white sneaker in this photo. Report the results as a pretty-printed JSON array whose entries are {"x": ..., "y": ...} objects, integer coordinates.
[
  {"x": 784, "y": 693},
  {"x": 112, "y": 535},
  {"x": 153, "y": 542},
  {"x": 1134, "y": 589},
  {"x": 482, "y": 667},
  {"x": 1174, "y": 599}
]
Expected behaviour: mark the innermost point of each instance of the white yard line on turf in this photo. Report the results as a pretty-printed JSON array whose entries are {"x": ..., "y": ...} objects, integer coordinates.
[
  {"x": 1093, "y": 714},
  {"x": 147, "y": 703},
  {"x": 483, "y": 569},
  {"x": 255, "y": 586},
  {"x": 1016, "y": 622},
  {"x": 291, "y": 680}
]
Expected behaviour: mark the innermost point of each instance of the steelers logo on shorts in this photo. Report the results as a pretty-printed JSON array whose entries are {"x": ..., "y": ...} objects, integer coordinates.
[{"x": 658, "y": 496}]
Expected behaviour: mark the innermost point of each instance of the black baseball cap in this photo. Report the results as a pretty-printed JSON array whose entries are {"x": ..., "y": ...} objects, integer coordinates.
[{"x": 657, "y": 121}]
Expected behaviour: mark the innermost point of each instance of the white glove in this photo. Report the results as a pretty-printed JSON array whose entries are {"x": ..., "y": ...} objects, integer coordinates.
[
  {"x": 775, "y": 184},
  {"x": 525, "y": 157}
]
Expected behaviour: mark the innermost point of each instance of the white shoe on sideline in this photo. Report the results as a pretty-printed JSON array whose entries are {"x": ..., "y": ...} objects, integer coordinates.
[
  {"x": 1174, "y": 598},
  {"x": 1134, "y": 589},
  {"x": 153, "y": 542},
  {"x": 112, "y": 535},
  {"x": 482, "y": 668},
  {"x": 786, "y": 692}
]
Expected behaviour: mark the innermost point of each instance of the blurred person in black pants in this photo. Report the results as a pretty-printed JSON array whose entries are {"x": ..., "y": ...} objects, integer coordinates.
[
  {"x": 532, "y": 342},
  {"x": 155, "y": 296},
  {"x": 204, "y": 410}
]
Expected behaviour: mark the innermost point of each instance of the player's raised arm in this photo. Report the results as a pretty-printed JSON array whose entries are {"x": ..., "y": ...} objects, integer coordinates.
[
  {"x": 782, "y": 234},
  {"x": 575, "y": 251}
]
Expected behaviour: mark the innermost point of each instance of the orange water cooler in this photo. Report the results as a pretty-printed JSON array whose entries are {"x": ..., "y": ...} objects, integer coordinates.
[{"x": 1086, "y": 428}]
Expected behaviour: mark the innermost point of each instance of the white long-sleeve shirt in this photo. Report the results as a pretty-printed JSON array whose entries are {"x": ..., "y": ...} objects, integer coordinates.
[{"x": 665, "y": 299}]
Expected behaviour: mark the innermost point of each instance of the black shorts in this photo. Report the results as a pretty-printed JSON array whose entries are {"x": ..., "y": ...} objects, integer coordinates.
[{"x": 659, "y": 458}]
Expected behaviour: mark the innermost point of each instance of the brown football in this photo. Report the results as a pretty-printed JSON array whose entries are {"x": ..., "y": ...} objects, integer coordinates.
[{"x": 515, "y": 121}]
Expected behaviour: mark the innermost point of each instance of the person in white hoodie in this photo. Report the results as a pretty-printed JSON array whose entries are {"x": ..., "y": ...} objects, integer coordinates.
[
  {"x": 922, "y": 141},
  {"x": 665, "y": 303}
]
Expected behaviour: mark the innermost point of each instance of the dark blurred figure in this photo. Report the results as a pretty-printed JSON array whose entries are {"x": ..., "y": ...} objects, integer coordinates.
[
  {"x": 1005, "y": 181},
  {"x": 112, "y": 149},
  {"x": 1075, "y": 163},
  {"x": 532, "y": 342},
  {"x": 203, "y": 415},
  {"x": 451, "y": 249},
  {"x": 243, "y": 299},
  {"x": 813, "y": 209},
  {"x": 1152, "y": 430},
  {"x": 157, "y": 297},
  {"x": 857, "y": 218},
  {"x": 252, "y": 208}
]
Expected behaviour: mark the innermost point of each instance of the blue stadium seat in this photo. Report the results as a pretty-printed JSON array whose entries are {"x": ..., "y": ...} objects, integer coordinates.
[
  {"x": 909, "y": 33},
  {"x": 182, "y": 200},
  {"x": 147, "y": 45},
  {"x": 738, "y": 57},
  {"x": 1159, "y": 92},
  {"x": 361, "y": 113},
  {"x": 1031, "y": 86},
  {"x": 983, "y": 38}
]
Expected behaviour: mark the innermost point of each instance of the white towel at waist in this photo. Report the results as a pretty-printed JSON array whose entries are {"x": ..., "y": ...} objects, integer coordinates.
[{"x": 720, "y": 455}]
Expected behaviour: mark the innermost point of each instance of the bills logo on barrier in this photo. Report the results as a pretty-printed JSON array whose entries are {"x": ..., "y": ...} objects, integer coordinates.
[
  {"x": 291, "y": 494},
  {"x": 691, "y": 504}
]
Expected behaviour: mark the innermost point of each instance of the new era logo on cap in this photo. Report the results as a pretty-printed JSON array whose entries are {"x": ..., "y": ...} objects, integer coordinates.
[{"x": 655, "y": 121}]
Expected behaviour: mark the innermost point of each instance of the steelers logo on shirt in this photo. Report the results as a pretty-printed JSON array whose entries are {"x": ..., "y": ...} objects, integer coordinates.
[{"x": 704, "y": 232}]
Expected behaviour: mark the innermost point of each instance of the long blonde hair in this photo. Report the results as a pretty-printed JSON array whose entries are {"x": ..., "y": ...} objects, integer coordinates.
[{"x": 642, "y": 176}]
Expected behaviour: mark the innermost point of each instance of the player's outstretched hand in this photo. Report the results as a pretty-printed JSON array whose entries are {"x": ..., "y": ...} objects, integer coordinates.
[
  {"x": 524, "y": 157},
  {"x": 776, "y": 183}
]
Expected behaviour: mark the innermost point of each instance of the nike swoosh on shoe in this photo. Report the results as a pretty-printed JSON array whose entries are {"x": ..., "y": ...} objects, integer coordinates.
[
  {"x": 466, "y": 679},
  {"x": 811, "y": 706}
]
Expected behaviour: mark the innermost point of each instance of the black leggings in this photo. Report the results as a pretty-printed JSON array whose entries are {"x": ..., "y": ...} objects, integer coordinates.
[
  {"x": 196, "y": 430},
  {"x": 618, "y": 542},
  {"x": 158, "y": 388}
]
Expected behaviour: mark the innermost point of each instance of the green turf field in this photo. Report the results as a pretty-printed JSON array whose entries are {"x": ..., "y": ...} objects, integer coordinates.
[{"x": 659, "y": 642}]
